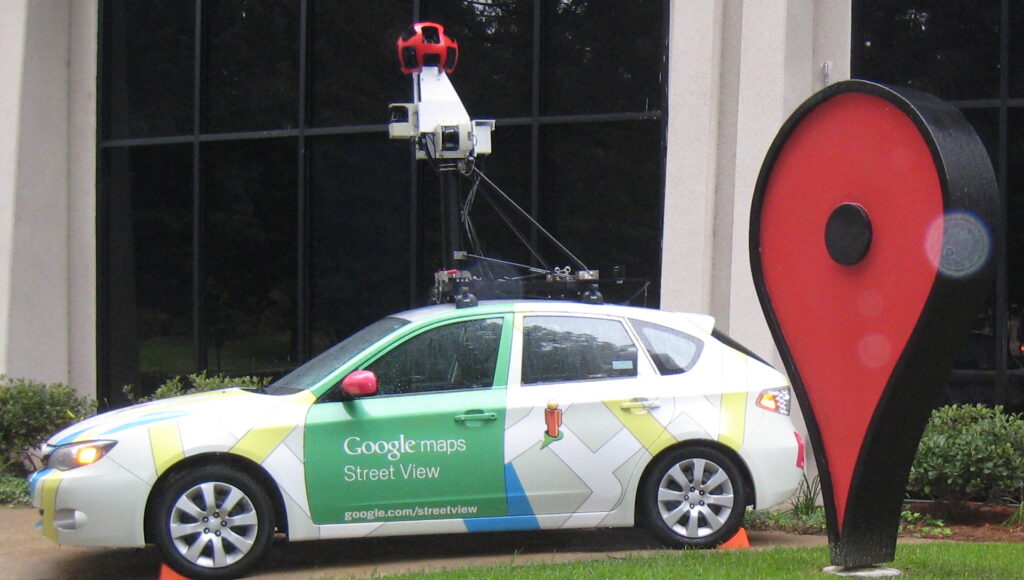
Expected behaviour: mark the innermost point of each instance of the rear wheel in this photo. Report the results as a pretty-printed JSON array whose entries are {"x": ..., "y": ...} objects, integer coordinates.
[
  {"x": 693, "y": 497},
  {"x": 212, "y": 522}
]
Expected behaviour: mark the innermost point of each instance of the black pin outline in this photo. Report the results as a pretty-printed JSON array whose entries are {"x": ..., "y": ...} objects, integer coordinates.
[{"x": 968, "y": 183}]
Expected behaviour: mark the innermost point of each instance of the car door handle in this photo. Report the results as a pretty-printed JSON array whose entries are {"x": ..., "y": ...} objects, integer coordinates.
[
  {"x": 638, "y": 403},
  {"x": 476, "y": 417}
]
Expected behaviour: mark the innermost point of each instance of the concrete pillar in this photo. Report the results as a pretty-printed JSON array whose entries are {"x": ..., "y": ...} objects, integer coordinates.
[
  {"x": 47, "y": 191},
  {"x": 736, "y": 71}
]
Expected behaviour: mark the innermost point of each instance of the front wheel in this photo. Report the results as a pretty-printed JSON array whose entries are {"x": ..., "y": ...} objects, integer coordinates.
[
  {"x": 212, "y": 522},
  {"x": 693, "y": 497}
]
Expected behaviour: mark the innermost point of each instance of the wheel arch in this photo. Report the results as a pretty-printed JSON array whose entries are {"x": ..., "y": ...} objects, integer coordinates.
[
  {"x": 748, "y": 480},
  {"x": 235, "y": 462}
]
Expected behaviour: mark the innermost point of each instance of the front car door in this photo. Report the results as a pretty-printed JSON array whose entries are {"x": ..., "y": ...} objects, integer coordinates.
[{"x": 429, "y": 444}]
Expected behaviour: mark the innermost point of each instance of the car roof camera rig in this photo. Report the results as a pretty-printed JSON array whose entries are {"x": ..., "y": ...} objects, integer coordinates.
[{"x": 444, "y": 134}]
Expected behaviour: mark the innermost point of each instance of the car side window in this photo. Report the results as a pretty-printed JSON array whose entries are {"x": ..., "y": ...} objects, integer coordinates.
[
  {"x": 461, "y": 355},
  {"x": 672, "y": 351},
  {"x": 569, "y": 348}
]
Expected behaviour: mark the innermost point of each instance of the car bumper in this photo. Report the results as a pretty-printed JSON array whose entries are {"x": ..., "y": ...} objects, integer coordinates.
[
  {"x": 96, "y": 505},
  {"x": 774, "y": 460}
]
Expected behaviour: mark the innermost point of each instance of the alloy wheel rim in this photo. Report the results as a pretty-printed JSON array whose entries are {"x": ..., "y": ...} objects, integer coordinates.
[
  {"x": 695, "y": 497},
  {"x": 213, "y": 524}
]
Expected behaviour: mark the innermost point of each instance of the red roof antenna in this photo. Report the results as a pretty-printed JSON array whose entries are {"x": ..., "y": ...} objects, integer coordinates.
[{"x": 427, "y": 44}]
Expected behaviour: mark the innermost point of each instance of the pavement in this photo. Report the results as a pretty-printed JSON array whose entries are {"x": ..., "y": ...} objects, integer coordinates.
[{"x": 27, "y": 555}]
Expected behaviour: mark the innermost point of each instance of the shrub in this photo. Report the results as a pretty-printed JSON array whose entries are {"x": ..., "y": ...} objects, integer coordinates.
[
  {"x": 969, "y": 453},
  {"x": 13, "y": 490},
  {"x": 197, "y": 383},
  {"x": 29, "y": 413}
]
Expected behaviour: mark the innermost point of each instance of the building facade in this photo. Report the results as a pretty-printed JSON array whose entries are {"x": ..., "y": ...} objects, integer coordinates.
[{"x": 208, "y": 185}]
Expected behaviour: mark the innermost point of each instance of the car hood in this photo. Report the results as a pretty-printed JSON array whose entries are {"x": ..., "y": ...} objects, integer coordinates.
[{"x": 108, "y": 425}]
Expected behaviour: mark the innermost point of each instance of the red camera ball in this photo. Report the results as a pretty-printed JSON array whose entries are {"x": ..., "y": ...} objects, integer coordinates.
[{"x": 427, "y": 44}]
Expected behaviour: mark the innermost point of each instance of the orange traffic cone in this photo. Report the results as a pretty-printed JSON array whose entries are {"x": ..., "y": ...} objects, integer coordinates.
[
  {"x": 168, "y": 573},
  {"x": 739, "y": 540}
]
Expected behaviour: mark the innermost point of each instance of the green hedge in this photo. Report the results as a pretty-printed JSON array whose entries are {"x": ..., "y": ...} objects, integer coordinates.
[
  {"x": 969, "y": 453},
  {"x": 29, "y": 413}
]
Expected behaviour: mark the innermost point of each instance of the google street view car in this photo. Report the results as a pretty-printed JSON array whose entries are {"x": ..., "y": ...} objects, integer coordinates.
[{"x": 506, "y": 415}]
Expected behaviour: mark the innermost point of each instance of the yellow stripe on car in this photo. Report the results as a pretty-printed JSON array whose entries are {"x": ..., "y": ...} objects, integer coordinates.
[
  {"x": 647, "y": 430},
  {"x": 733, "y": 414},
  {"x": 260, "y": 442},
  {"x": 165, "y": 440},
  {"x": 49, "y": 504}
]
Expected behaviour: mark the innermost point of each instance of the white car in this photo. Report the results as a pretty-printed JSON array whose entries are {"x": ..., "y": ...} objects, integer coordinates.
[{"x": 501, "y": 416}]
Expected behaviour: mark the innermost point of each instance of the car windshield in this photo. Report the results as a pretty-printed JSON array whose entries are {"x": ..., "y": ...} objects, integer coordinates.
[{"x": 328, "y": 361}]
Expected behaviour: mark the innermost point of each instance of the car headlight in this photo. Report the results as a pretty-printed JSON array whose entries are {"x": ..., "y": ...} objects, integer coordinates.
[{"x": 78, "y": 454}]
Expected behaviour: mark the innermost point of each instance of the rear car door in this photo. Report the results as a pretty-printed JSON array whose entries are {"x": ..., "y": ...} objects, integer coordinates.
[{"x": 582, "y": 408}]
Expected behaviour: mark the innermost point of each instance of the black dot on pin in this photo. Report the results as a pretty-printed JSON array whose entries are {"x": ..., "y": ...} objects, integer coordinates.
[{"x": 848, "y": 234}]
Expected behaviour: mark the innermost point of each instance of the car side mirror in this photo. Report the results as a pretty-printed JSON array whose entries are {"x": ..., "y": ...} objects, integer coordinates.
[{"x": 359, "y": 384}]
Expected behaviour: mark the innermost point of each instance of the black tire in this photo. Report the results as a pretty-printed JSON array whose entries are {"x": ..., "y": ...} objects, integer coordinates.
[
  {"x": 693, "y": 497},
  {"x": 223, "y": 545}
]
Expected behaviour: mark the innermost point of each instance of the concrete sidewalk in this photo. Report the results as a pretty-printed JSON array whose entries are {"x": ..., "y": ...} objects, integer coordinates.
[{"x": 25, "y": 554}]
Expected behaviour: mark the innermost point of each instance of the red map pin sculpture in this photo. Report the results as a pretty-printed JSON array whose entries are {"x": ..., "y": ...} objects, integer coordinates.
[{"x": 872, "y": 238}]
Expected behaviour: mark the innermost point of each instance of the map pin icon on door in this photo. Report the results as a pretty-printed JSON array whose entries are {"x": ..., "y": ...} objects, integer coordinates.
[{"x": 873, "y": 233}]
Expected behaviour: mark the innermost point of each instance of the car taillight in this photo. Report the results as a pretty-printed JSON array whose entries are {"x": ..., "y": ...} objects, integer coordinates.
[{"x": 774, "y": 400}]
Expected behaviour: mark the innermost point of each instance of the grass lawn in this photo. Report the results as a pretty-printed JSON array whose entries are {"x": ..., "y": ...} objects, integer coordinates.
[{"x": 932, "y": 560}]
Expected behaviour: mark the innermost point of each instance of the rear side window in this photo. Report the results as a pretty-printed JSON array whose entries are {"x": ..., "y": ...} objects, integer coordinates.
[
  {"x": 672, "y": 351},
  {"x": 568, "y": 348}
]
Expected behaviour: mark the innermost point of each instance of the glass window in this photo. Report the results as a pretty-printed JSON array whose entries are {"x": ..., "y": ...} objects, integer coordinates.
[
  {"x": 251, "y": 70},
  {"x": 333, "y": 358},
  {"x": 948, "y": 48},
  {"x": 566, "y": 348},
  {"x": 353, "y": 64},
  {"x": 600, "y": 57},
  {"x": 461, "y": 355},
  {"x": 249, "y": 249},
  {"x": 149, "y": 266},
  {"x": 147, "y": 75},
  {"x": 602, "y": 196},
  {"x": 360, "y": 246},
  {"x": 1016, "y": 49},
  {"x": 672, "y": 351},
  {"x": 494, "y": 72}
]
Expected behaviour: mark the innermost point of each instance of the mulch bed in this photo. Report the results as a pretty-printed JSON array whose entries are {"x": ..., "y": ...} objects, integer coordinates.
[{"x": 978, "y": 523}]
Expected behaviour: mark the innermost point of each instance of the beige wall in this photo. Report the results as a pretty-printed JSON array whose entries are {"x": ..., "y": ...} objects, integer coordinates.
[
  {"x": 47, "y": 190},
  {"x": 736, "y": 71}
]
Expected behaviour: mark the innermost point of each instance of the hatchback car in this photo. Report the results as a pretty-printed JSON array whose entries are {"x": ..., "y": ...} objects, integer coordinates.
[{"x": 500, "y": 416}]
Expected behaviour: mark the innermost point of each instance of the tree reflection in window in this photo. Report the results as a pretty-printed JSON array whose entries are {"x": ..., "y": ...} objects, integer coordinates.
[
  {"x": 461, "y": 355},
  {"x": 563, "y": 348}
]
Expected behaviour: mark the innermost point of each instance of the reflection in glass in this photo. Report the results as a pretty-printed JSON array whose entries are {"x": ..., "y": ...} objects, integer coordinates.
[
  {"x": 601, "y": 195},
  {"x": 1015, "y": 230},
  {"x": 360, "y": 245},
  {"x": 494, "y": 73},
  {"x": 598, "y": 57},
  {"x": 251, "y": 68},
  {"x": 1016, "y": 42},
  {"x": 249, "y": 248},
  {"x": 149, "y": 264},
  {"x": 563, "y": 348},
  {"x": 353, "y": 65},
  {"x": 949, "y": 48},
  {"x": 147, "y": 69},
  {"x": 461, "y": 355}
]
